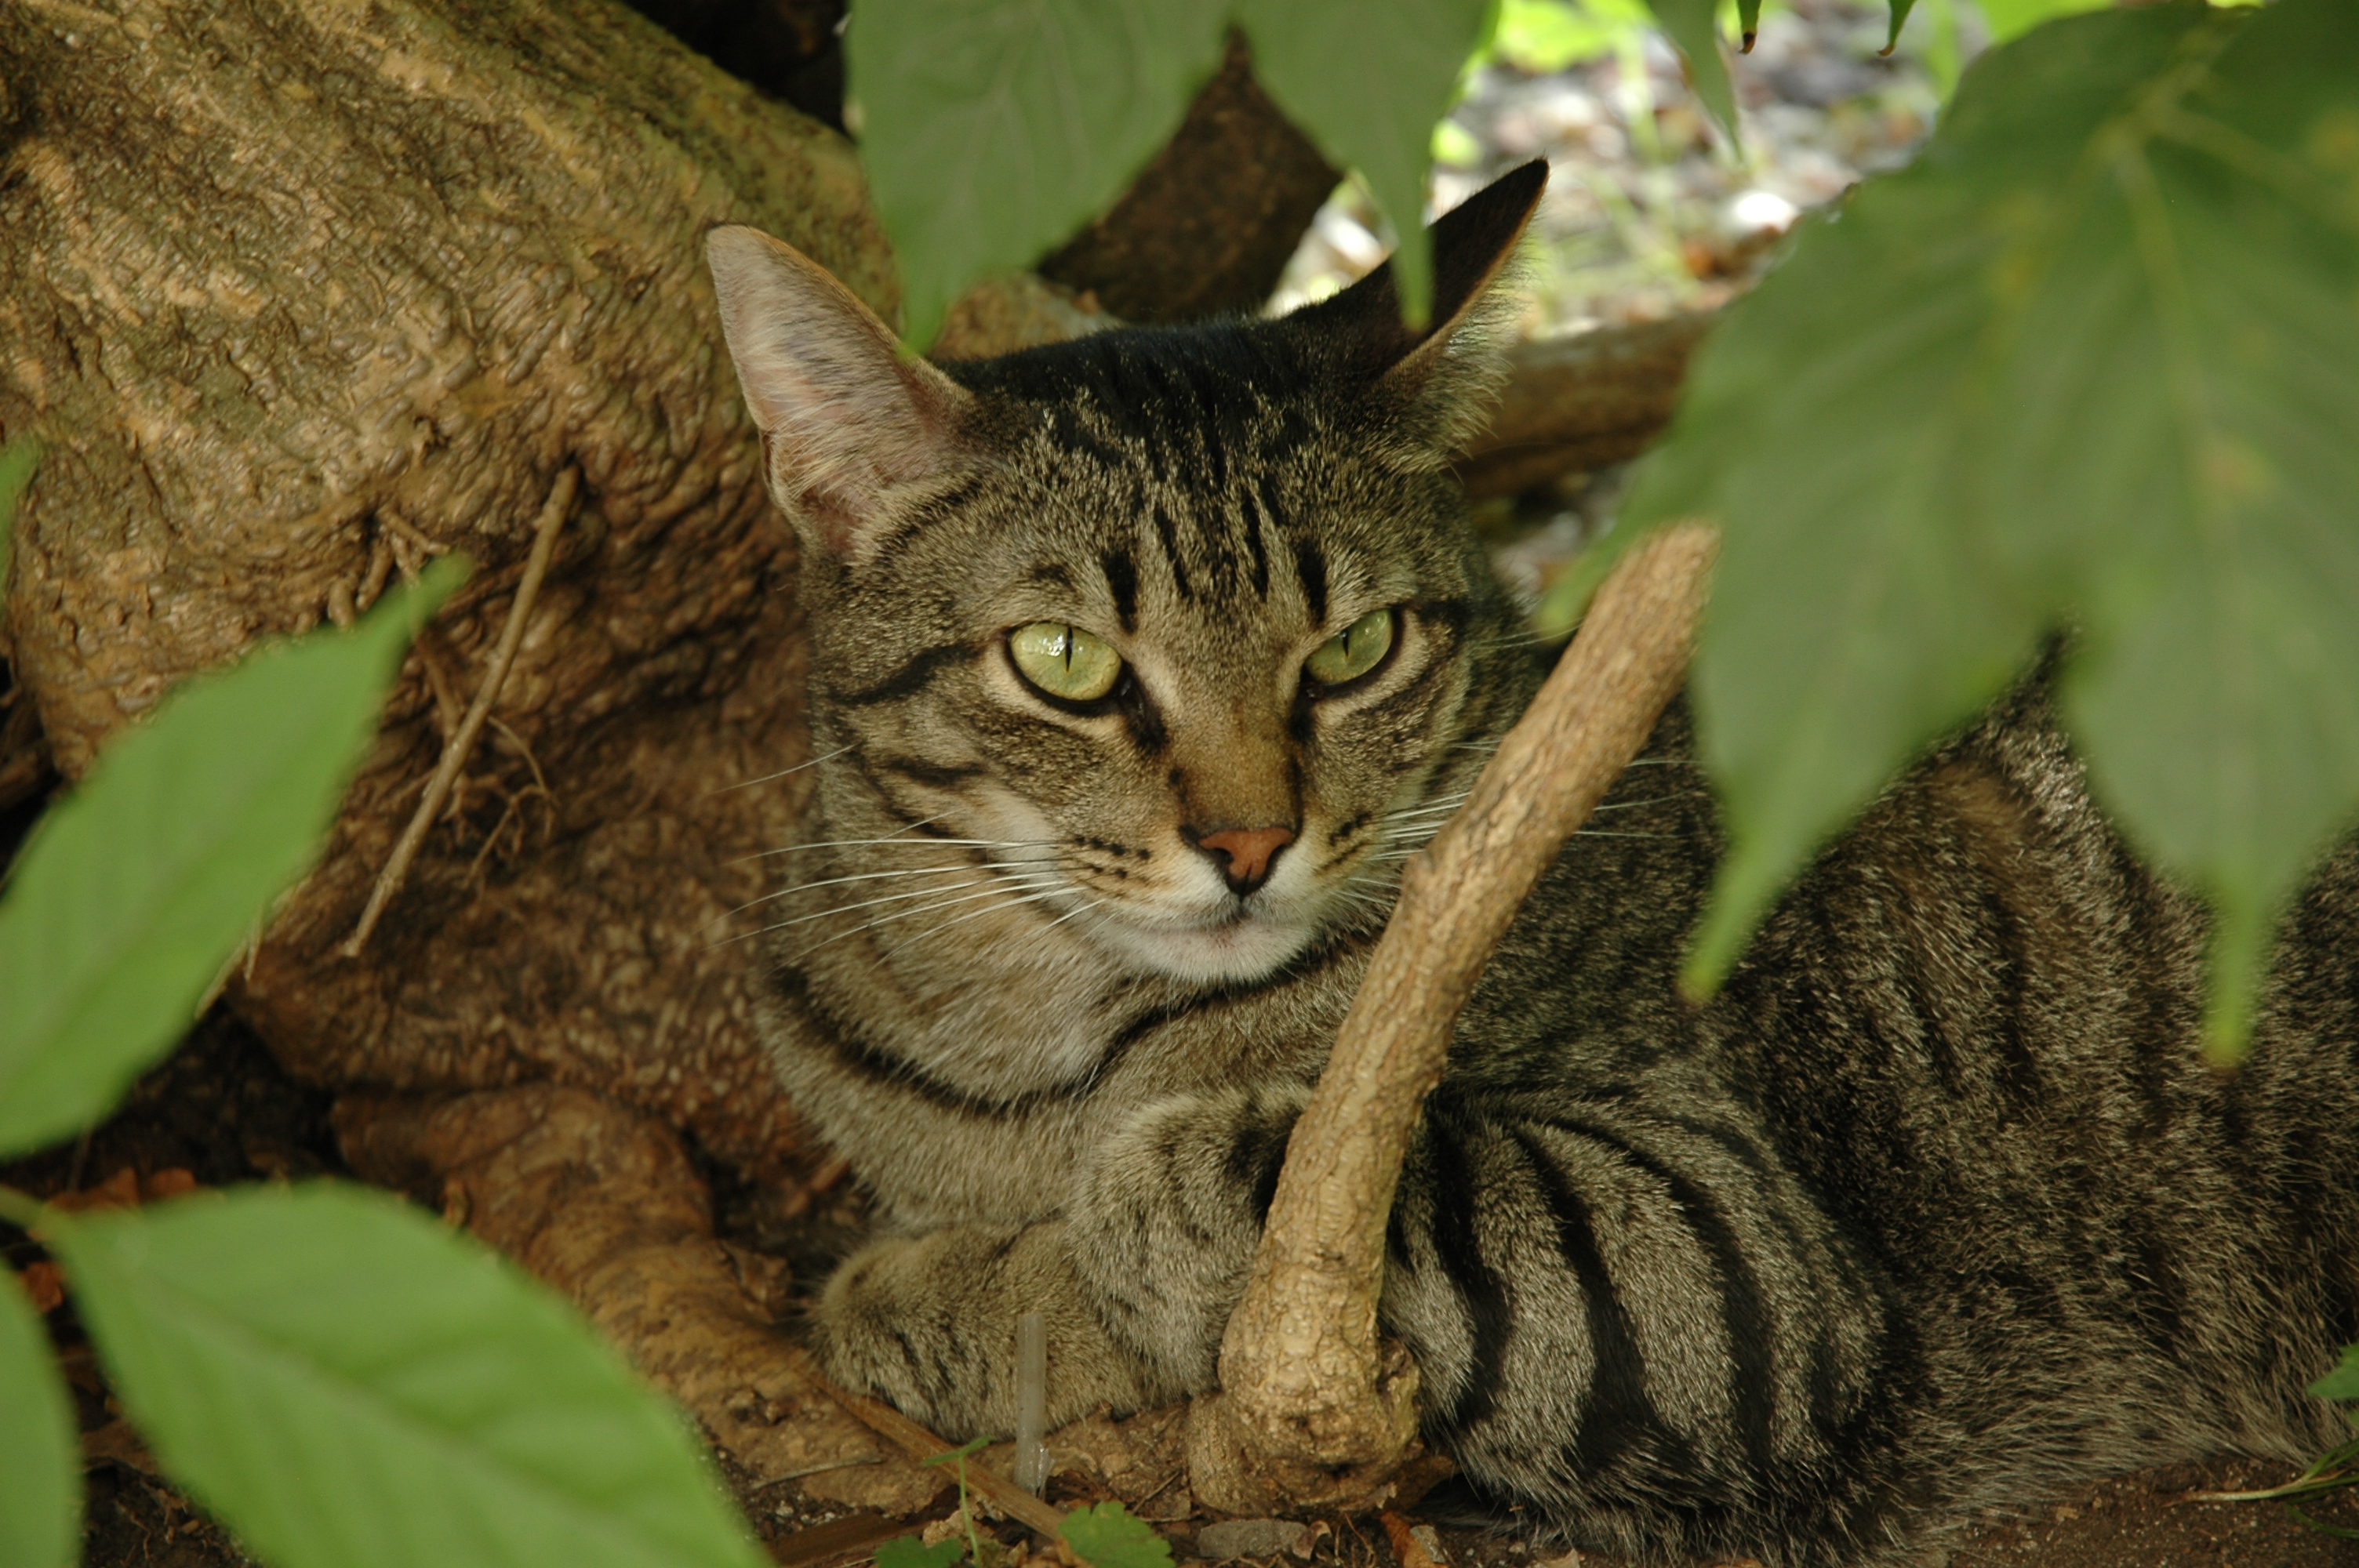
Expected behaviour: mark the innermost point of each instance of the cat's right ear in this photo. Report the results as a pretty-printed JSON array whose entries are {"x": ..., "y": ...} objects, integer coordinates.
[{"x": 851, "y": 432}]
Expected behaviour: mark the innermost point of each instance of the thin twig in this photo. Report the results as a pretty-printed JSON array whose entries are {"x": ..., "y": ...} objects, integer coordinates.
[
  {"x": 456, "y": 748},
  {"x": 920, "y": 1444}
]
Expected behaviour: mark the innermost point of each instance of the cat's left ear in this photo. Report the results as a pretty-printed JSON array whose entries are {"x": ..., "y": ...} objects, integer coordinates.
[
  {"x": 1440, "y": 383},
  {"x": 853, "y": 434}
]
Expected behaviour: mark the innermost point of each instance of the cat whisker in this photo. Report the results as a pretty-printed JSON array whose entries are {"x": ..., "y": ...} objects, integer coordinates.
[
  {"x": 891, "y": 838},
  {"x": 782, "y": 772},
  {"x": 1450, "y": 802},
  {"x": 1045, "y": 889},
  {"x": 1650, "y": 800},
  {"x": 1093, "y": 903},
  {"x": 895, "y": 843},
  {"x": 848, "y": 908},
  {"x": 837, "y": 882},
  {"x": 1041, "y": 895}
]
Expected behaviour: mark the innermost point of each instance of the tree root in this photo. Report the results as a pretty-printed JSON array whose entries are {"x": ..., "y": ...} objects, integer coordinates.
[{"x": 600, "y": 1202}]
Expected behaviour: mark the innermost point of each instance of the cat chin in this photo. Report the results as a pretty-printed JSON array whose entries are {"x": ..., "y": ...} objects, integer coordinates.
[{"x": 1225, "y": 953}]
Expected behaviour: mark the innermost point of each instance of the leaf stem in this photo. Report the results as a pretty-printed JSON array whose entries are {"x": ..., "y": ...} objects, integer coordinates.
[{"x": 22, "y": 1209}]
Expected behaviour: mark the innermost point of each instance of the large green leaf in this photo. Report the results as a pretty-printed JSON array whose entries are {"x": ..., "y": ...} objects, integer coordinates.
[
  {"x": 349, "y": 1385},
  {"x": 2012, "y": 19},
  {"x": 41, "y": 1462},
  {"x": 134, "y": 892},
  {"x": 1694, "y": 26},
  {"x": 1368, "y": 84},
  {"x": 993, "y": 129},
  {"x": 2093, "y": 360}
]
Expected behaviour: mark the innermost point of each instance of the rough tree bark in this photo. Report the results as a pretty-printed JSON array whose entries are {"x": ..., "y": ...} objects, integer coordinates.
[
  {"x": 1313, "y": 1412},
  {"x": 298, "y": 296}
]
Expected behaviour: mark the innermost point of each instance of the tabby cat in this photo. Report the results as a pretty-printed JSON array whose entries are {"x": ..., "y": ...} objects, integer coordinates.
[{"x": 1141, "y": 662}]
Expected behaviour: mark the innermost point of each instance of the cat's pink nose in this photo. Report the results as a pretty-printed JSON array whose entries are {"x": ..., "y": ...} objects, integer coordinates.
[{"x": 1245, "y": 853}]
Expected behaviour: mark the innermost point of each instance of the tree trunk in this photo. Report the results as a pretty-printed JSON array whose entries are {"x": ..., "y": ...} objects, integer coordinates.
[{"x": 298, "y": 296}]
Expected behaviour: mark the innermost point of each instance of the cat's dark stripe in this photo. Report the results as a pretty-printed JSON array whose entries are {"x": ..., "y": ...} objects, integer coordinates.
[
  {"x": 1122, "y": 582},
  {"x": 911, "y": 679},
  {"x": 1743, "y": 1312},
  {"x": 1483, "y": 1294},
  {"x": 1310, "y": 570},
  {"x": 1255, "y": 1158},
  {"x": 1169, "y": 534},
  {"x": 936, "y": 776},
  {"x": 1143, "y": 717},
  {"x": 1617, "y": 1416},
  {"x": 1253, "y": 520}
]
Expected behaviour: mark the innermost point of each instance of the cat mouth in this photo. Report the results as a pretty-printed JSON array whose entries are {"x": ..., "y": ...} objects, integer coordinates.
[{"x": 1235, "y": 943}]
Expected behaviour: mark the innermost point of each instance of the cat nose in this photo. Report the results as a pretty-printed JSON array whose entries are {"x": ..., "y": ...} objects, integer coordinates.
[{"x": 1243, "y": 854}]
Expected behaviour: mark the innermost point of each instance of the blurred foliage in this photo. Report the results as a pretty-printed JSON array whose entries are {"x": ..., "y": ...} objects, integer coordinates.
[
  {"x": 2092, "y": 362},
  {"x": 341, "y": 1380}
]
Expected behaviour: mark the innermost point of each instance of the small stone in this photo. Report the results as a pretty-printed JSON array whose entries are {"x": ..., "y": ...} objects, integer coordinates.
[{"x": 1251, "y": 1538}]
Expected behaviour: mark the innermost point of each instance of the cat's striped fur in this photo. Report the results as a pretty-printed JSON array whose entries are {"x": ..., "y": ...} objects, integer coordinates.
[{"x": 1933, "y": 1209}]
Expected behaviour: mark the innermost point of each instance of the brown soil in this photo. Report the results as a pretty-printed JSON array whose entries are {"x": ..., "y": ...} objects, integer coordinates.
[{"x": 222, "y": 1111}]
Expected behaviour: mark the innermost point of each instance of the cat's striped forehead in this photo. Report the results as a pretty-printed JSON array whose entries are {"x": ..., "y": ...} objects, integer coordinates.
[{"x": 1215, "y": 469}]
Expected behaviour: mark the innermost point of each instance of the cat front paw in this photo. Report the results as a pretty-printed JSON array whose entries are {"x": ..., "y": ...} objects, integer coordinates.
[{"x": 928, "y": 1324}]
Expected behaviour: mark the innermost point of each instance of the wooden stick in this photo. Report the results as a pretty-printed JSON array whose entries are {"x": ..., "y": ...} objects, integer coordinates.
[
  {"x": 1308, "y": 1405},
  {"x": 456, "y": 749},
  {"x": 920, "y": 1444}
]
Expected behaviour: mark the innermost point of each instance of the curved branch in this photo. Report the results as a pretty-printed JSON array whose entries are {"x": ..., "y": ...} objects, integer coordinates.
[{"x": 1314, "y": 1411}]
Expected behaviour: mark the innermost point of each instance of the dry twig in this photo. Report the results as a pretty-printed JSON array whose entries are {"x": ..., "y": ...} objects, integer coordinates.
[
  {"x": 920, "y": 1444},
  {"x": 455, "y": 750},
  {"x": 1314, "y": 1412}
]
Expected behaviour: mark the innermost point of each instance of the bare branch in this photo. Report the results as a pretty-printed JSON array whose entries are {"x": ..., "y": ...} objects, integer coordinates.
[{"x": 1314, "y": 1411}]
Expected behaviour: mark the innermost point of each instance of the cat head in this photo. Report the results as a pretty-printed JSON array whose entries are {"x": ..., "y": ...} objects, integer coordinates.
[{"x": 1175, "y": 631}]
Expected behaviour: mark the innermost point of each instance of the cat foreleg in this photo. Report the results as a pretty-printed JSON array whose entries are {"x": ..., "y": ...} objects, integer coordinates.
[
  {"x": 1165, "y": 1218},
  {"x": 928, "y": 1324}
]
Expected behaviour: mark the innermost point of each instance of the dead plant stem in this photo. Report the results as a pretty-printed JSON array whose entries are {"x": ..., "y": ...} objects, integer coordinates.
[{"x": 458, "y": 747}]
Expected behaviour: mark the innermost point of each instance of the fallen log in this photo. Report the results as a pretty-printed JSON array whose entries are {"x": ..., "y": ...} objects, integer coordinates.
[{"x": 1576, "y": 404}]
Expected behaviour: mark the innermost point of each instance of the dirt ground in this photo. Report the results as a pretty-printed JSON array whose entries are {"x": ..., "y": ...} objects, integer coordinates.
[{"x": 222, "y": 1110}]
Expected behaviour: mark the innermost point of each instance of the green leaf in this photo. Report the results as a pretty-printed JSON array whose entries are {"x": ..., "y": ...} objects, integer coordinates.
[
  {"x": 2010, "y": 19},
  {"x": 1367, "y": 86},
  {"x": 18, "y": 459},
  {"x": 1694, "y": 26},
  {"x": 993, "y": 129},
  {"x": 350, "y": 1385},
  {"x": 134, "y": 892},
  {"x": 2343, "y": 1383},
  {"x": 40, "y": 1462},
  {"x": 952, "y": 1456},
  {"x": 1900, "y": 9},
  {"x": 908, "y": 1551},
  {"x": 1748, "y": 20},
  {"x": 2093, "y": 360},
  {"x": 1107, "y": 1536}
]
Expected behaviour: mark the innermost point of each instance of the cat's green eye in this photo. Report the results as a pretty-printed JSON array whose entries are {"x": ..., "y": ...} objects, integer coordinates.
[
  {"x": 1064, "y": 661},
  {"x": 1353, "y": 651}
]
